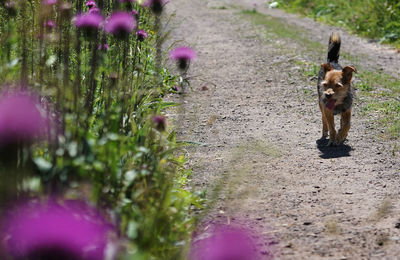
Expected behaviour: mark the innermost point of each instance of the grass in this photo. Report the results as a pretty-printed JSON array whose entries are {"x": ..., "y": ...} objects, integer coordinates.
[
  {"x": 376, "y": 19},
  {"x": 378, "y": 91}
]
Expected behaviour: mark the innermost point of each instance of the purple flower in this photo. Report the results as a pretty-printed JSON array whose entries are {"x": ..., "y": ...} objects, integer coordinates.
[
  {"x": 52, "y": 230},
  {"x": 91, "y": 4},
  {"x": 103, "y": 47},
  {"x": 159, "y": 122},
  {"x": 50, "y": 24},
  {"x": 175, "y": 88},
  {"x": 94, "y": 10},
  {"x": 141, "y": 35},
  {"x": 120, "y": 24},
  {"x": 226, "y": 242},
  {"x": 10, "y": 7},
  {"x": 183, "y": 56},
  {"x": 135, "y": 14},
  {"x": 89, "y": 21},
  {"x": 10, "y": 4},
  {"x": 156, "y": 5},
  {"x": 49, "y": 2},
  {"x": 20, "y": 119}
]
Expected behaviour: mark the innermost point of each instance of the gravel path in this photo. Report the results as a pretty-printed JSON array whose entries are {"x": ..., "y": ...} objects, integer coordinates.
[{"x": 258, "y": 126}]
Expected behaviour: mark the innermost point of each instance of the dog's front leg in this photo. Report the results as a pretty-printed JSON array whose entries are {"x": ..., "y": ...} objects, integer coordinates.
[
  {"x": 330, "y": 121},
  {"x": 344, "y": 126}
]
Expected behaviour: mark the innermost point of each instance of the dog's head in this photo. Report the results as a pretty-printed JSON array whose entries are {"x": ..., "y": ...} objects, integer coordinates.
[{"x": 335, "y": 84}]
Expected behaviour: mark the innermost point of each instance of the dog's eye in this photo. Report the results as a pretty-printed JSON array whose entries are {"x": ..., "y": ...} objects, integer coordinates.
[
  {"x": 339, "y": 85},
  {"x": 324, "y": 84}
]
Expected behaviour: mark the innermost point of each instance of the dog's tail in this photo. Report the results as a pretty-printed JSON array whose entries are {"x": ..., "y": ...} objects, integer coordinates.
[{"x": 334, "y": 47}]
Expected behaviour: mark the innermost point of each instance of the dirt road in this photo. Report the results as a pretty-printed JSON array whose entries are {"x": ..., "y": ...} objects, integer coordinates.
[{"x": 258, "y": 126}]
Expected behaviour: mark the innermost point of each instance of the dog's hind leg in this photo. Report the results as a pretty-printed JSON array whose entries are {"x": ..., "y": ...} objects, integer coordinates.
[{"x": 344, "y": 126}]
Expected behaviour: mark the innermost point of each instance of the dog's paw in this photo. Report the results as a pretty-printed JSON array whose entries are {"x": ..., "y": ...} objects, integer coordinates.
[{"x": 331, "y": 142}]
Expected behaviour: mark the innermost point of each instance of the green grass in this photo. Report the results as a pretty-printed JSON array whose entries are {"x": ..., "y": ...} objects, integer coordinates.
[{"x": 376, "y": 19}]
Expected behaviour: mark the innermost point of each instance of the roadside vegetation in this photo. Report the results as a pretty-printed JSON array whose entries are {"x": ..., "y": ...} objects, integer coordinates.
[
  {"x": 375, "y": 19},
  {"x": 81, "y": 120}
]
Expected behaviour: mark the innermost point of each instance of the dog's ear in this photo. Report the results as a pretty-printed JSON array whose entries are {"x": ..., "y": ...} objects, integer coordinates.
[
  {"x": 326, "y": 67},
  {"x": 348, "y": 74}
]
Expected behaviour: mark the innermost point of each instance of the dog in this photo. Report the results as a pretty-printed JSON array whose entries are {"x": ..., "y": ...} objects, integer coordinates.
[{"x": 335, "y": 93}]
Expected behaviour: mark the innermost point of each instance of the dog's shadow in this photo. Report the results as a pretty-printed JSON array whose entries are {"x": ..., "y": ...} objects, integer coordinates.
[{"x": 328, "y": 152}]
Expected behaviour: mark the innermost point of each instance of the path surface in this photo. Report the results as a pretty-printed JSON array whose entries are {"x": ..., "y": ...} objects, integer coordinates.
[{"x": 259, "y": 126}]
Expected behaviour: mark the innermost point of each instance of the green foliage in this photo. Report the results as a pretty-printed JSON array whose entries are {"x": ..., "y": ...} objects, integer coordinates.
[{"x": 377, "y": 19}]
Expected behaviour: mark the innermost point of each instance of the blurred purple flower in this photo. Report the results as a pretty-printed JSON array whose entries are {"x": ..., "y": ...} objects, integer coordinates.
[
  {"x": 94, "y": 10},
  {"x": 91, "y": 4},
  {"x": 183, "y": 56},
  {"x": 175, "y": 88},
  {"x": 226, "y": 243},
  {"x": 103, "y": 47},
  {"x": 49, "y": 2},
  {"x": 49, "y": 24},
  {"x": 20, "y": 119},
  {"x": 10, "y": 7},
  {"x": 10, "y": 4},
  {"x": 135, "y": 14},
  {"x": 89, "y": 21},
  {"x": 156, "y": 5},
  {"x": 52, "y": 230},
  {"x": 141, "y": 35},
  {"x": 159, "y": 122},
  {"x": 120, "y": 24}
]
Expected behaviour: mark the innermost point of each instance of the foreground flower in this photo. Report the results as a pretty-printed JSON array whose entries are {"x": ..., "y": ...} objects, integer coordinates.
[
  {"x": 89, "y": 21},
  {"x": 156, "y": 5},
  {"x": 183, "y": 56},
  {"x": 52, "y": 230},
  {"x": 141, "y": 35},
  {"x": 226, "y": 242},
  {"x": 120, "y": 24},
  {"x": 20, "y": 119},
  {"x": 159, "y": 122}
]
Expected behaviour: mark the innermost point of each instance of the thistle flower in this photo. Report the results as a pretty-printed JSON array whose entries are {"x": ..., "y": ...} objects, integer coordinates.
[
  {"x": 10, "y": 7},
  {"x": 49, "y": 24},
  {"x": 51, "y": 230},
  {"x": 20, "y": 119},
  {"x": 49, "y": 2},
  {"x": 159, "y": 122},
  {"x": 141, "y": 35},
  {"x": 91, "y": 4},
  {"x": 135, "y": 14},
  {"x": 120, "y": 24},
  {"x": 183, "y": 56},
  {"x": 89, "y": 22},
  {"x": 156, "y": 5},
  {"x": 226, "y": 242},
  {"x": 94, "y": 10},
  {"x": 103, "y": 47}
]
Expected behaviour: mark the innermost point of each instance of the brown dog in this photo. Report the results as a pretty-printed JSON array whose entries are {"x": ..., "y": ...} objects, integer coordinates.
[{"x": 336, "y": 93}]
